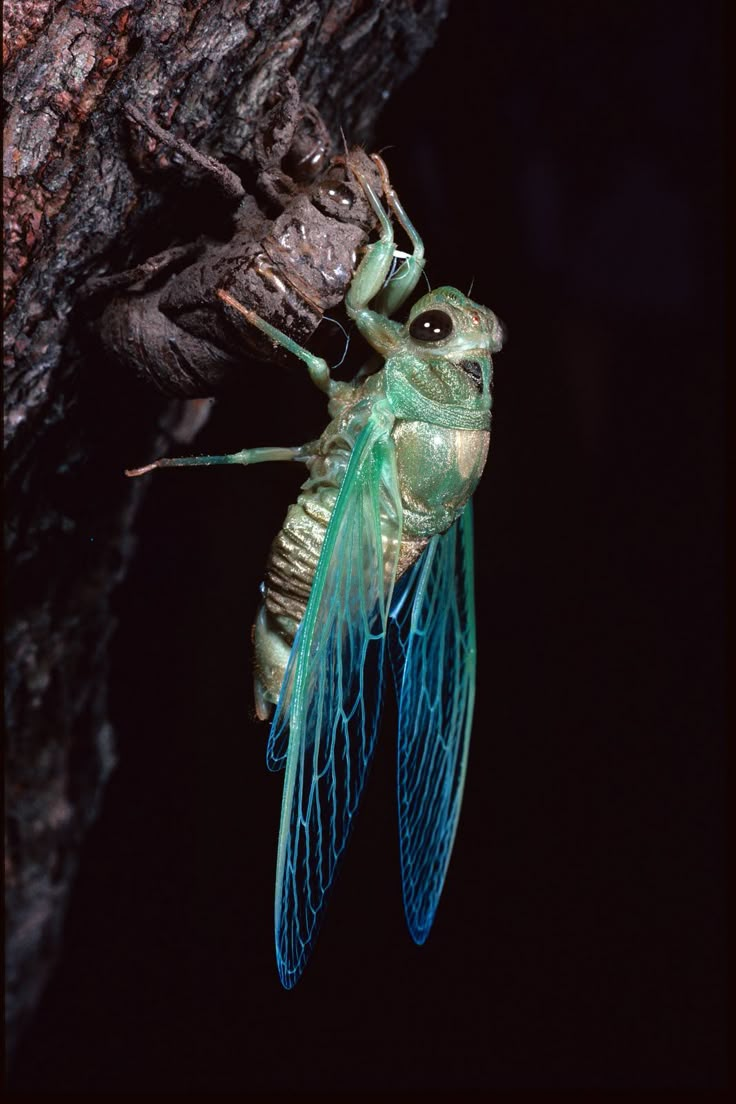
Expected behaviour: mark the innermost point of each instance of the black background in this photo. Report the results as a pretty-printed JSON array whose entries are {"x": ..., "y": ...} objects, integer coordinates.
[{"x": 567, "y": 157}]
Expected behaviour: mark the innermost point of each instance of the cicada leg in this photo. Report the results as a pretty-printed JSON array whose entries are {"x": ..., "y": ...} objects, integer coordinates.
[
  {"x": 318, "y": 368},
  {"x": 372, "y": 297},
  {"x": 369, "y": 278},
  {"x": 371, "y": 273},
  {"x": 302, "y": 453},
  {"x": 402, "y": 284}
]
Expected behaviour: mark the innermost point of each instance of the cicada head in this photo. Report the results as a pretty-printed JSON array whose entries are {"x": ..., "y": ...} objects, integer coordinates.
[{"x": 441, "y": 369}]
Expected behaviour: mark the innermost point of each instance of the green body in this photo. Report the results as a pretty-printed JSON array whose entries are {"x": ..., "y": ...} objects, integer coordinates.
[
  {"x": 438, "y": 417},
  {"x": 388, "y": 479}
]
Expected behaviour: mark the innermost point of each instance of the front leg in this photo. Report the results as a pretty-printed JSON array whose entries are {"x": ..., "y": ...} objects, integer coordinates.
[
  {"x": 318, "y": 368},
  {"x": 400, "y": 286},
  {"x": 370, "y": 277}
]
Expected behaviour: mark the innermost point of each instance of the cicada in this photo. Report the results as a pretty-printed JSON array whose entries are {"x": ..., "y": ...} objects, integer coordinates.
[{"x": 373, "y": 567}]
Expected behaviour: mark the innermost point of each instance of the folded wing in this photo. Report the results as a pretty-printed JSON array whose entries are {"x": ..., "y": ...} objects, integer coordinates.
[
  {"x": 333, "y": 689},
  {"x": 433, "y": 656}
]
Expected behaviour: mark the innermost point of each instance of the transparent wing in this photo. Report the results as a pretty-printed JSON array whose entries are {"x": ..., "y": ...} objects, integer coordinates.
[
  {"x": 278, "y": 736},
  {"x": 432, "y": 629},
  {"x": 334, "y": 693}
]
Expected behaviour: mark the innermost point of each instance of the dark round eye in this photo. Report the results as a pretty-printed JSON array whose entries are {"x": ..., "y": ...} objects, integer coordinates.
[{"x": 431, "y": 325}]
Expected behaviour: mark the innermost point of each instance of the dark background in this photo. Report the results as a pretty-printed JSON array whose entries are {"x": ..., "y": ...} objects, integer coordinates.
[{"x": 568, "y": 158}]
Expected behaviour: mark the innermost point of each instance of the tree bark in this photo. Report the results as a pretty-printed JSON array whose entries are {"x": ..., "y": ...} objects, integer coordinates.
[{"x": 76, "y": 205}]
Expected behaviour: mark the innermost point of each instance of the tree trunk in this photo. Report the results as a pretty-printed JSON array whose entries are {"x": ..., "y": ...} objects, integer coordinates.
[{"x": 77, "y": 206}]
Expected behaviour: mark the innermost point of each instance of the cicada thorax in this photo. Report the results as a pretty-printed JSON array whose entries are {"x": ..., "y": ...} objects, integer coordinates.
[
  {"x": 438, "y": 384},
  {"x": 438, "y": 470}
]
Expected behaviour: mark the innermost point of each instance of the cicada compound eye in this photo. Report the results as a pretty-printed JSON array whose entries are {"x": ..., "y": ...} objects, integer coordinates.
[{"x": 431, "y": 325}]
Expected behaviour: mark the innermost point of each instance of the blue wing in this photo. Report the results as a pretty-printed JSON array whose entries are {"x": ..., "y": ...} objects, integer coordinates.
[
  {"x": 330, "y": 702},
  {"x": 433, "y": 657}
]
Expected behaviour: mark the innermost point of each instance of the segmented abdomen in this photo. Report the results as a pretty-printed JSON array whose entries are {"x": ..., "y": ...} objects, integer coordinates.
[
  {"x": 294, "y": 553},
  {"x": 292, "y": 562}
]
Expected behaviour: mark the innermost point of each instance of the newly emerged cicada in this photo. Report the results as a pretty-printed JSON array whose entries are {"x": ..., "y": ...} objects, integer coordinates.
[{"x": 376, "y": 555}]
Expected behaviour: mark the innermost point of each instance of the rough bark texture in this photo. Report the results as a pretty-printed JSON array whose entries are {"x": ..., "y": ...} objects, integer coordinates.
[{"x": 77, "y": 200}]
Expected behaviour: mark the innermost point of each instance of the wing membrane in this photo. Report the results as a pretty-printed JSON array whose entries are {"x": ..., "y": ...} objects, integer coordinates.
[
  {"x": 278, "y": 736},
  {"x": 334, "y": 693},
  {"x": 433, "y": 655}
]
